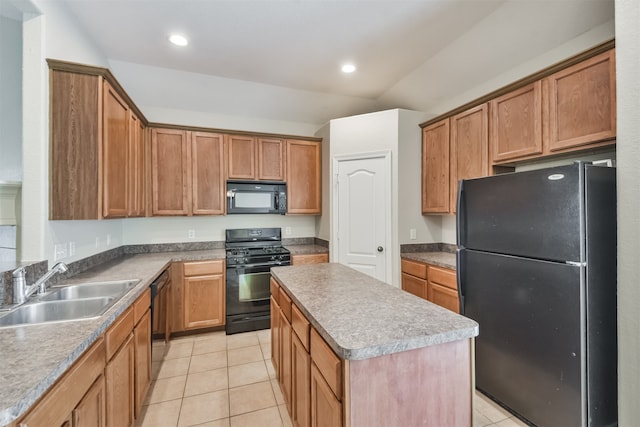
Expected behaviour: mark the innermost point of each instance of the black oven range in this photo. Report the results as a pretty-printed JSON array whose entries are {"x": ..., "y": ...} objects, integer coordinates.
[{"x": 251, "y": 252}]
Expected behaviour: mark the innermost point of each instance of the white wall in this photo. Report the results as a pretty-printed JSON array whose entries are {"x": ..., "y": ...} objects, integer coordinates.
[
  {"x": 10, "y": 99},
  {"x": 628, "y": 175},
  {"x": 428, "y": 227},
  {"x": 397, "y": 131},
  {"x": 209, "y": 228},
  {"x": 51, "y": 33}
]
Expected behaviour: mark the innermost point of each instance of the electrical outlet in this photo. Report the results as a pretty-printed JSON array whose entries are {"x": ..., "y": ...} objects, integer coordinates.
[
  {"x": 59, "y": 251},
  {"x": 412, "y": 234},
  {"x": 287, "y": 231},
  {"x": 192, "y": 234},
  {"x": 72, "y": 248},
  {"x": 108, "y": 239}
]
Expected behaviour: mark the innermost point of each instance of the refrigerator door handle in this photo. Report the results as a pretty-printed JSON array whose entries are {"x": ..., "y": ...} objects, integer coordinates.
[
  {"x": 459, "y": 277},
  {"x": 460, "y": 216}
]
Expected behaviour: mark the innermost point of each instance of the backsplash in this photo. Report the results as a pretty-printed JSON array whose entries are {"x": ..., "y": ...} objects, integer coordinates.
[
  {"x": 428, "y": 247},
  {"x": 37, "y": 269},
  {"x": 32, "y": 273}
]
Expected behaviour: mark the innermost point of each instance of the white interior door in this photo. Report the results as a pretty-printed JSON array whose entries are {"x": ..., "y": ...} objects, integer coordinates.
[{"x": 363, "y": 212}]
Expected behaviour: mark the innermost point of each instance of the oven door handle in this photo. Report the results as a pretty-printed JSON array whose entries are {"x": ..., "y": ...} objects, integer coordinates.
[{"x": 250, "y": 266}]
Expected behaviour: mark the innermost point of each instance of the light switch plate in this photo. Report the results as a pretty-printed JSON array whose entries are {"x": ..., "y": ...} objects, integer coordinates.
[
  {"x": 59, "y": 251},
  {"x": 412, "y": 234}
]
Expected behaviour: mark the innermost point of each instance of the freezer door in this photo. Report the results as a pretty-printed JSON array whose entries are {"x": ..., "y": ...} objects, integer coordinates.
[
  {"x": 536, "y": 214},
  {"x": 529, "y": 354}
]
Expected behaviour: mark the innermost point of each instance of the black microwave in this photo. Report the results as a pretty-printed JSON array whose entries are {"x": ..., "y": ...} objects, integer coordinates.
[{"x": 256, "y": 197}]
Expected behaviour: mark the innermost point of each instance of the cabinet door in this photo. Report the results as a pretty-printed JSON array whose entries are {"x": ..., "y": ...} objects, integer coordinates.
[
  {"x": 115, "y": 147},
  {"x": 516, "y": 123},
  {"x": 285, "y": 359},
  {"x": 169, "y": 172},
  {"x": 300, "y": 384},
  {"x": 469, "y": 147},
  {"x": 271, "y": 159},
  {"x": 142, "y": 338},
  {"x": 204, "y": 301},
  {"x": 90, "y": 412},
  {"x": 435, "y": 168},
  {"x": 304, "y": 176},
  {"x": 582, "y": 103},
  {"x": 275, "y": 336},
  {"x": 119, "y": 376},
  {"x": 207, "y": 185},
  {"x": 135, "y": 184},
  {"x": 326, "y": 409},
  {"x": 74, "y": 190},
  {"x": 241, "y": 157}
]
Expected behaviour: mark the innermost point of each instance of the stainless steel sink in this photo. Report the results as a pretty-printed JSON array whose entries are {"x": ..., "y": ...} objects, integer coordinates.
[
  {"x": 90, "y": 290},
  {"x": 55, "y": 311}
]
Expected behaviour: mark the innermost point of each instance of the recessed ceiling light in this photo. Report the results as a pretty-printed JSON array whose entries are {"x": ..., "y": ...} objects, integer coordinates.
[
  {"x": 348, "y": 68},
  {"x": 178, "y": 40}
]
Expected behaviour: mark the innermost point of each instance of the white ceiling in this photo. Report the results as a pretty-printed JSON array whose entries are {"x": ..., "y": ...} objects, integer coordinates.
[{"x": 409, "y": 54}]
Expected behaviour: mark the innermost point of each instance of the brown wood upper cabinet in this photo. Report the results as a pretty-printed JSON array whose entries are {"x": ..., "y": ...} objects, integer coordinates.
[
  {"x": 271, "y": 159},
  {"x": 453, "y": 149},
  {"x": 516, "y": 123},
  {"x": 435, "y": 168},
  {"x": 187, "y": 172},
  {"x": 570, "y": 110},
  {"x": 304, "y": 177},
  {"x": 96, "y": 160},
  {"x": 469, "y": 148},
  {"x": 582, "y": 103},
  {"x": 136, "y": 161},
  {"x": 255, "y": 158}
]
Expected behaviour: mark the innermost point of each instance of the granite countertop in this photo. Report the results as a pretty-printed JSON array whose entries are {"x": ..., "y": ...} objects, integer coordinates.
[
  {"x": 361, "y": 317},
  {"x": 35, "y": 356},
  {"x": 441, "y": 259},
  {"x": 307, "y": 249}
]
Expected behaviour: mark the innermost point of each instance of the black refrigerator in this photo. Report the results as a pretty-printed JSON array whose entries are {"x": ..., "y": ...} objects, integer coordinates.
[{"x": 537, "y": 271}]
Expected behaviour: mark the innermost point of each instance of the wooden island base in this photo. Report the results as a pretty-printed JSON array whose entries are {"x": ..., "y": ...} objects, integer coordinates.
[{"x": 428, "y": 386}]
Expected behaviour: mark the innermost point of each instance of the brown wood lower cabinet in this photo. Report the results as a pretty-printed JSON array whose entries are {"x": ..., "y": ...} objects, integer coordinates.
[
  {"x": 108, "y": 384},
  {"x": 435, "y": 284},
  {"x": 326, "y": 409},
  {"x": 90, "y": 412},
  {"x": 78, "y": 394},
  {"x": 424, "y": 386},
  {"x": 119, "y": 374}
]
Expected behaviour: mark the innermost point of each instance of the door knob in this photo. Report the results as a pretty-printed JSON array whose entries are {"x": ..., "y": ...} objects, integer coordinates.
[{"x": 380, "y": 249}]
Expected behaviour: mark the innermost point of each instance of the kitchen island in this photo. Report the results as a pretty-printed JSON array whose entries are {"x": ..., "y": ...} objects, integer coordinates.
[{"x": 375, "y": 355}]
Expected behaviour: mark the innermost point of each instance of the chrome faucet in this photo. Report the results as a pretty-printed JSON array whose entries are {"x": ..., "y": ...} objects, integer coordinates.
[{"x": 20, "y": 289}]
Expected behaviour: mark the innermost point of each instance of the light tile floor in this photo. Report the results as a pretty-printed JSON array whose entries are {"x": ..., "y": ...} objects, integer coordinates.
[{"x": 215, "y": 380}]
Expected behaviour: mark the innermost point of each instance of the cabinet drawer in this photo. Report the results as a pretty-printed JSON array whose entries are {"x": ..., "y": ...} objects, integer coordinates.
[
  {"x": 300, "y": 325},
  {"x": 275, "y": 289},
  {"x": 119, "y": 332},
  {"x": 443, "y": 277},
  {"x": 141, "y": 306},
  {"x": 414, "y": 285},
  {"x": 199, "y": 268},
  {"x": 328, "y": 363},
  {"x": 309, "y": 259},
  {"x": 414, "y": 268},
  {"x": 285, "y": 305}
]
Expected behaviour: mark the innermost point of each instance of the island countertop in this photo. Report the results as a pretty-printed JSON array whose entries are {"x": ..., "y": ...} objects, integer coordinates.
[{"x": 361, "y": 317}]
